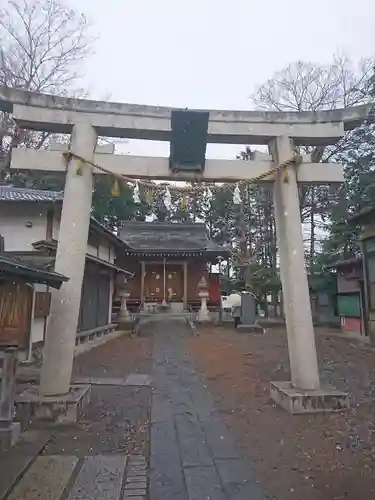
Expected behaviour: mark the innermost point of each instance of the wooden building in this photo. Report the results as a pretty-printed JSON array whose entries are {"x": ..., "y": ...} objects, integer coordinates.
[
  {"x": 18, "y": 302},
  {"x": 168, "y": 260},
  {"x": 98, "y": 285},
  {"x": 30, "y": 223},
  {"x": 350, "y": 297},
  {"x": 366, "y": 221}
]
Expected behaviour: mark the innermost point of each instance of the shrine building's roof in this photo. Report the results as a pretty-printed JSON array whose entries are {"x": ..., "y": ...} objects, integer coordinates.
[{"x": 168, "y": 238}]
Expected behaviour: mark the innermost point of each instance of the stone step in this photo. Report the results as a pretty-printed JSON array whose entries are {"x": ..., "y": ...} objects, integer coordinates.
[
  {"x": 46, "y": 479},
  {"x": 97, "y": 477},
  {"x": 16, "y": 461}
]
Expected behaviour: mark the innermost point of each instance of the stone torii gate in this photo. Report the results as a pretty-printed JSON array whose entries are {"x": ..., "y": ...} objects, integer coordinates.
[{"x": 85, "y": 120}]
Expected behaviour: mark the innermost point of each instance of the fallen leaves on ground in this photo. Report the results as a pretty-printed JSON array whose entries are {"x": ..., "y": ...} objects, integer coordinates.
[{"x": 309, "y": 457}]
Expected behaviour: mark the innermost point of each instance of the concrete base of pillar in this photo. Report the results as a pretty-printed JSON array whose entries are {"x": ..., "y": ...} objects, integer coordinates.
[
  {"x": 204, "y": 320},
  {"x": 66, "y": 409},
  {"x": 9, "y": 436},
  {"x": 250, "y": 329},
  {"x": 326, "y": 399}
]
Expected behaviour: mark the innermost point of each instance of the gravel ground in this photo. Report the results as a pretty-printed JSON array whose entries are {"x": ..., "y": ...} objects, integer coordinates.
[
  {"x": 118, "y": 417},
  {"x": 310, "y": 457},
  {"x": 116, "y": 358}
]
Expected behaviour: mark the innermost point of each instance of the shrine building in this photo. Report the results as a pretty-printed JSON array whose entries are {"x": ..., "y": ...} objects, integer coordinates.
[{"x": 168, "y": 261}]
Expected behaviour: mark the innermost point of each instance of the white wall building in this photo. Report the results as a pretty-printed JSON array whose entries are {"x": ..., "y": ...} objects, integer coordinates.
[{"x": 29, "y": 223}]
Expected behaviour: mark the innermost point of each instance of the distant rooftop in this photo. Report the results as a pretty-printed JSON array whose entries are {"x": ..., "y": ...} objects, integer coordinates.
[
  {"x": 10, "y": 193},
  {"x": 362, "y": 217},
  {"x": 351, "y": 261}
]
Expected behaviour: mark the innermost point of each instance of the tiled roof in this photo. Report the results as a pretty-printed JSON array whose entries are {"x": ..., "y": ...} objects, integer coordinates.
[
  {"x": 138, "y": 236},
  {"x": 342, "y": 263},
  {"x": 10, "y": 193},
  {"x": 10, "y": 267},
  {"x": 166, "y": 236}
]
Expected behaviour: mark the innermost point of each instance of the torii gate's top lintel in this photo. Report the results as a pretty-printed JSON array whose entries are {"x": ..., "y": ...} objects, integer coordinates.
[{"x": 58, "y": 114}]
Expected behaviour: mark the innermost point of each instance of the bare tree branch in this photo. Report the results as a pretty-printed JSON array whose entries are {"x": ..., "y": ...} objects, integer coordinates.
[
  {"x": 43, "y": 46},
  {"x": 305, "y": 86},
  {"x": 311, "y": 87}
]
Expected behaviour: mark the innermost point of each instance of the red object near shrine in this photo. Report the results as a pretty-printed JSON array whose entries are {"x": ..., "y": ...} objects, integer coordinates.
[{"x": 214, "y": 288}]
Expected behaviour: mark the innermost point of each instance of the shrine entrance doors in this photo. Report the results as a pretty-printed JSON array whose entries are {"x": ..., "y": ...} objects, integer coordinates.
[{"x": 164, "y": 282}]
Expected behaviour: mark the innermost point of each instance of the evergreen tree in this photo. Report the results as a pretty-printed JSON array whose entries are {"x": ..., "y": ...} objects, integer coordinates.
[
  {"x": 111, "y": 208},
  {"x": 358, "y": 191}
]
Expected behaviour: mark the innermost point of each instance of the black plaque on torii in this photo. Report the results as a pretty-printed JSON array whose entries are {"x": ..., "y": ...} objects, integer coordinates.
[{"x": 189, "y": 130}]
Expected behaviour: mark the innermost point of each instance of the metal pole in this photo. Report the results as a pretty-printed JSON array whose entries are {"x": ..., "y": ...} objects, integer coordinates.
[{"x": 8, "y": 387}]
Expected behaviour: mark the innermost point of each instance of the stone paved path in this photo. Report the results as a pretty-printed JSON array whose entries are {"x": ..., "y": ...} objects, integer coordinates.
[{"x": 192, "y": 453}]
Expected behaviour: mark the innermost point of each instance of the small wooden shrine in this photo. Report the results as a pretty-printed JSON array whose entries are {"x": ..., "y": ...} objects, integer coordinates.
[
  {"x": 168, "y": 261},
  {"x": 19, "y": 301}
]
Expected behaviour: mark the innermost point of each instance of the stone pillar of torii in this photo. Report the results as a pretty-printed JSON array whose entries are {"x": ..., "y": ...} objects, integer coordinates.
[{"x": 86, "y": 120}]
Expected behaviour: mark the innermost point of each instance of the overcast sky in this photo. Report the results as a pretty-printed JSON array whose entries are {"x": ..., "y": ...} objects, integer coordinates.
[{"x": 213, "y": 53}]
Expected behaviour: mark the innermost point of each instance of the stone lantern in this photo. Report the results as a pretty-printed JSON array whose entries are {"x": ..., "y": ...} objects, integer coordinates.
[
  {"x": 124, "y": 319},
  {"x": 203, "y": 314}
]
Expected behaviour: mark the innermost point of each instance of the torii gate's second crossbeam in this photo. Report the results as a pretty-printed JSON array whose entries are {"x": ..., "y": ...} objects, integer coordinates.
[{"x": 85, "y": 120}]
